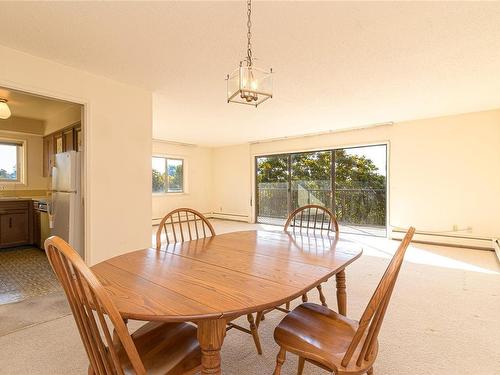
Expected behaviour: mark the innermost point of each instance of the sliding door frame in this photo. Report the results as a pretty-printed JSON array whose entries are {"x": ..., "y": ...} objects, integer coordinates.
[{"x": 288, "y": 153}]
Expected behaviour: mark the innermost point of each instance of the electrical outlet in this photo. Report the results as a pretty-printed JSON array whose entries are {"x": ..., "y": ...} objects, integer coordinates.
[{"x": 455, "y": 227}]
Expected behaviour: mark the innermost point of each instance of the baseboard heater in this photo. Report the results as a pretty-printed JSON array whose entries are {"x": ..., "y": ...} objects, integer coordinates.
[
  {"x": 226, "y": 216},
  {"x": 447, "y": 239},
  {"x": 215, "y": 215}
]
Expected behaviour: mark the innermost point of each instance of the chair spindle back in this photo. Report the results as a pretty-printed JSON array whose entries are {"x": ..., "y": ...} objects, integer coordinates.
[
  {"x": 185, "y": 224},
  {"x": 90, "y": 303},
  {"x": 312, "y": 217}
]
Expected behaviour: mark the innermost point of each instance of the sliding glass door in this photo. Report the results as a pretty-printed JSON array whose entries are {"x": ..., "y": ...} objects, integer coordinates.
[
  {"x": 273, "y": 186},
  {"x": 311, "y": 179},
  {"x": 352, "y": 182}
]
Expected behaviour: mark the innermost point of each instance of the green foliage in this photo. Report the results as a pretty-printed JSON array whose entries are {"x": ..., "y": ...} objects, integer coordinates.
[
  {"x": 174, "y": 178},
  {"x": 158, "y": 181},
  {"x": 353, "y": 171},
  {"x": 272, "y": 169}
]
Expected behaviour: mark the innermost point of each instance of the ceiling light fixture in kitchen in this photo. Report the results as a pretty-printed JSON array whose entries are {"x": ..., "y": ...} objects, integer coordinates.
[
  {"x": 249, "y": 84},
  {"x": 4, "y": 109}
]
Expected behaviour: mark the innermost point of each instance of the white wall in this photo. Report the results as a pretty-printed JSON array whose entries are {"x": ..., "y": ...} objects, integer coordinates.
[
  {"x": 197, "y": 179},
  {"x": 118, "y": 148},
  {"x": 232, "y": 181},
  {"x": 63, "y": 119},
  {"x": 22, "y": 124},
  {"x": 443, "y": 171}
]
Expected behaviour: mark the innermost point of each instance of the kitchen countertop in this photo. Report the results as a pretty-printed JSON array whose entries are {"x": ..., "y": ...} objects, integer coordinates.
[{"x": 27, "y": 198}]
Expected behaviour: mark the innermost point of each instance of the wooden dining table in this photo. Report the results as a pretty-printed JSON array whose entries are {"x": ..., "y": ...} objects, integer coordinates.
[{"x": 214, "y": 280}]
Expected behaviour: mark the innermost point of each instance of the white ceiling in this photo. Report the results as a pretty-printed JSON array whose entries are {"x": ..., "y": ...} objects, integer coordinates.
[
  {"x": 33, "y": 106},
  {"x": 338, "y": 65}
]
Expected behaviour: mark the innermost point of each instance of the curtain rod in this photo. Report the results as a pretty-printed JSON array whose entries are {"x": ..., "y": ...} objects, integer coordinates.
[
  {"x": 174, "y": 142},
  {"x": 389, "y": 123}
]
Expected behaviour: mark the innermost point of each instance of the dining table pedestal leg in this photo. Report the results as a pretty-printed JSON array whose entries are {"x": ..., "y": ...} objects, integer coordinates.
[
  {"x": 341, "y": 292},
  {"x": 211, "y": 336}
]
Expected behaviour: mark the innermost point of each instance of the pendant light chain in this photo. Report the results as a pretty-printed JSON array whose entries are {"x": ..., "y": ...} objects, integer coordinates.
[
  {"x": 249, "y": 33},
  {"x": 249, "y": 84}
]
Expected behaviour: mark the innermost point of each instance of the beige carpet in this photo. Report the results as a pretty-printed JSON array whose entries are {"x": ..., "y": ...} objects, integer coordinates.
[
  {"x": 32, "y": 311},
  {"x": 444, "y": 318}
]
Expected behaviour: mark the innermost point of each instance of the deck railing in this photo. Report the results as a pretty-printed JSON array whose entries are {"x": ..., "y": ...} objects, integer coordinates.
[{"x": 352, "y": 206}]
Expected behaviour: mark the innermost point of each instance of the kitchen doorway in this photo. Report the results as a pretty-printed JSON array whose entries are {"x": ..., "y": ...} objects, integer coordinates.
[{"x": 41, "y": 194}]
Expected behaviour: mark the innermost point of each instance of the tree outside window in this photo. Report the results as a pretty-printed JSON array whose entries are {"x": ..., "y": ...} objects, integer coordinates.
[{"x": 168, "y": 175}]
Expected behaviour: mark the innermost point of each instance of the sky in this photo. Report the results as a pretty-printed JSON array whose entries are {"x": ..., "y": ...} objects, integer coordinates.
[{"x": 8, "y": 158}]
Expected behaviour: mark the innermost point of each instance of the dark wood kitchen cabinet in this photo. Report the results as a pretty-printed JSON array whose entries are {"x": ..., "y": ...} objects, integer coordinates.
[
  {"x": 16, "y": 223},
  {"x": 48, "y": 154},
  {"x": 67, "y": 139},
  {"x": 37, "y": 230}
]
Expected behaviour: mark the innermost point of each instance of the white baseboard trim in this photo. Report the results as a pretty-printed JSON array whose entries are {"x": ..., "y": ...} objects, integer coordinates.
[{"x": 446, "y": 239}]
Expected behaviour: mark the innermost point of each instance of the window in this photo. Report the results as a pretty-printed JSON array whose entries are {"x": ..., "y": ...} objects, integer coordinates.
[
  {"x": 11, "y": 152},
  {"x": 168, "y": 175}
]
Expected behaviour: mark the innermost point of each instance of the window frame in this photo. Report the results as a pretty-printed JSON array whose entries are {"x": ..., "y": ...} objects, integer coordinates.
[
  {"x": 20, "y": 161},
  {"x": 184, "y": 179}
]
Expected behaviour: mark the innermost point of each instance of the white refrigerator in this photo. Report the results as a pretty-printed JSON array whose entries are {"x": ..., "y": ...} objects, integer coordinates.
[{"x": 66, "y": 209}]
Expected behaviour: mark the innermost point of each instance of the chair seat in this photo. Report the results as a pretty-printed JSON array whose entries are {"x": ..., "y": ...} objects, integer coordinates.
[
  {"x": 320, "y": 335},
  {"x": 165, "y": 348}
]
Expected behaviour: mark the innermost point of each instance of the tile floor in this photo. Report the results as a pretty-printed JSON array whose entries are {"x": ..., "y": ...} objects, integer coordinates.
[{"x": 25, "y": 273}]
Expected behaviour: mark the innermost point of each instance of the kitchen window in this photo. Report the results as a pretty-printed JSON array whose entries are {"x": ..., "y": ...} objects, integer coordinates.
[
  {"x": 168, "y": 175},
  {"x": 11, "y": 160}
]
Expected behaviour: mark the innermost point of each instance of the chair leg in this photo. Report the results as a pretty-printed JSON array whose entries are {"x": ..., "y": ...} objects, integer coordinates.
[
  {"x": 370, "y": 371},
  {"x": 304, "y": 297},
  {"x": 258, "y": 318},
  {"x": 302, "y": 360},
  {"x": 280, "y": 359},
  {"x": 321, "y": 296},
  {"x": 255, "y": 333}
]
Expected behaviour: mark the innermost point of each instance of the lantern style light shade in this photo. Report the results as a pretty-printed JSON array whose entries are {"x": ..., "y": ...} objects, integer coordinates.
[
  {"x": 249, "y": 85},
  {"x": 4, "y": 109}
]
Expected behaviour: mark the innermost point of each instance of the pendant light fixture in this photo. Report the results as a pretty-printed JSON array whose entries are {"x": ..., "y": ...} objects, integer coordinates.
[
  {"x": 4, "y": 109},
  {"x": 249, "y": 84}
]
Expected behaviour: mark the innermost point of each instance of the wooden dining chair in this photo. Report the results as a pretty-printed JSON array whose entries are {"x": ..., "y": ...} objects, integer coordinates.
[
  {"x": 155, "y": 348},
  {"x": 312, "y": 218},
  {"x": 332, "y": 341},
  {"x": 183, "y": 224},
  {"x": 186, "y": 224}
]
